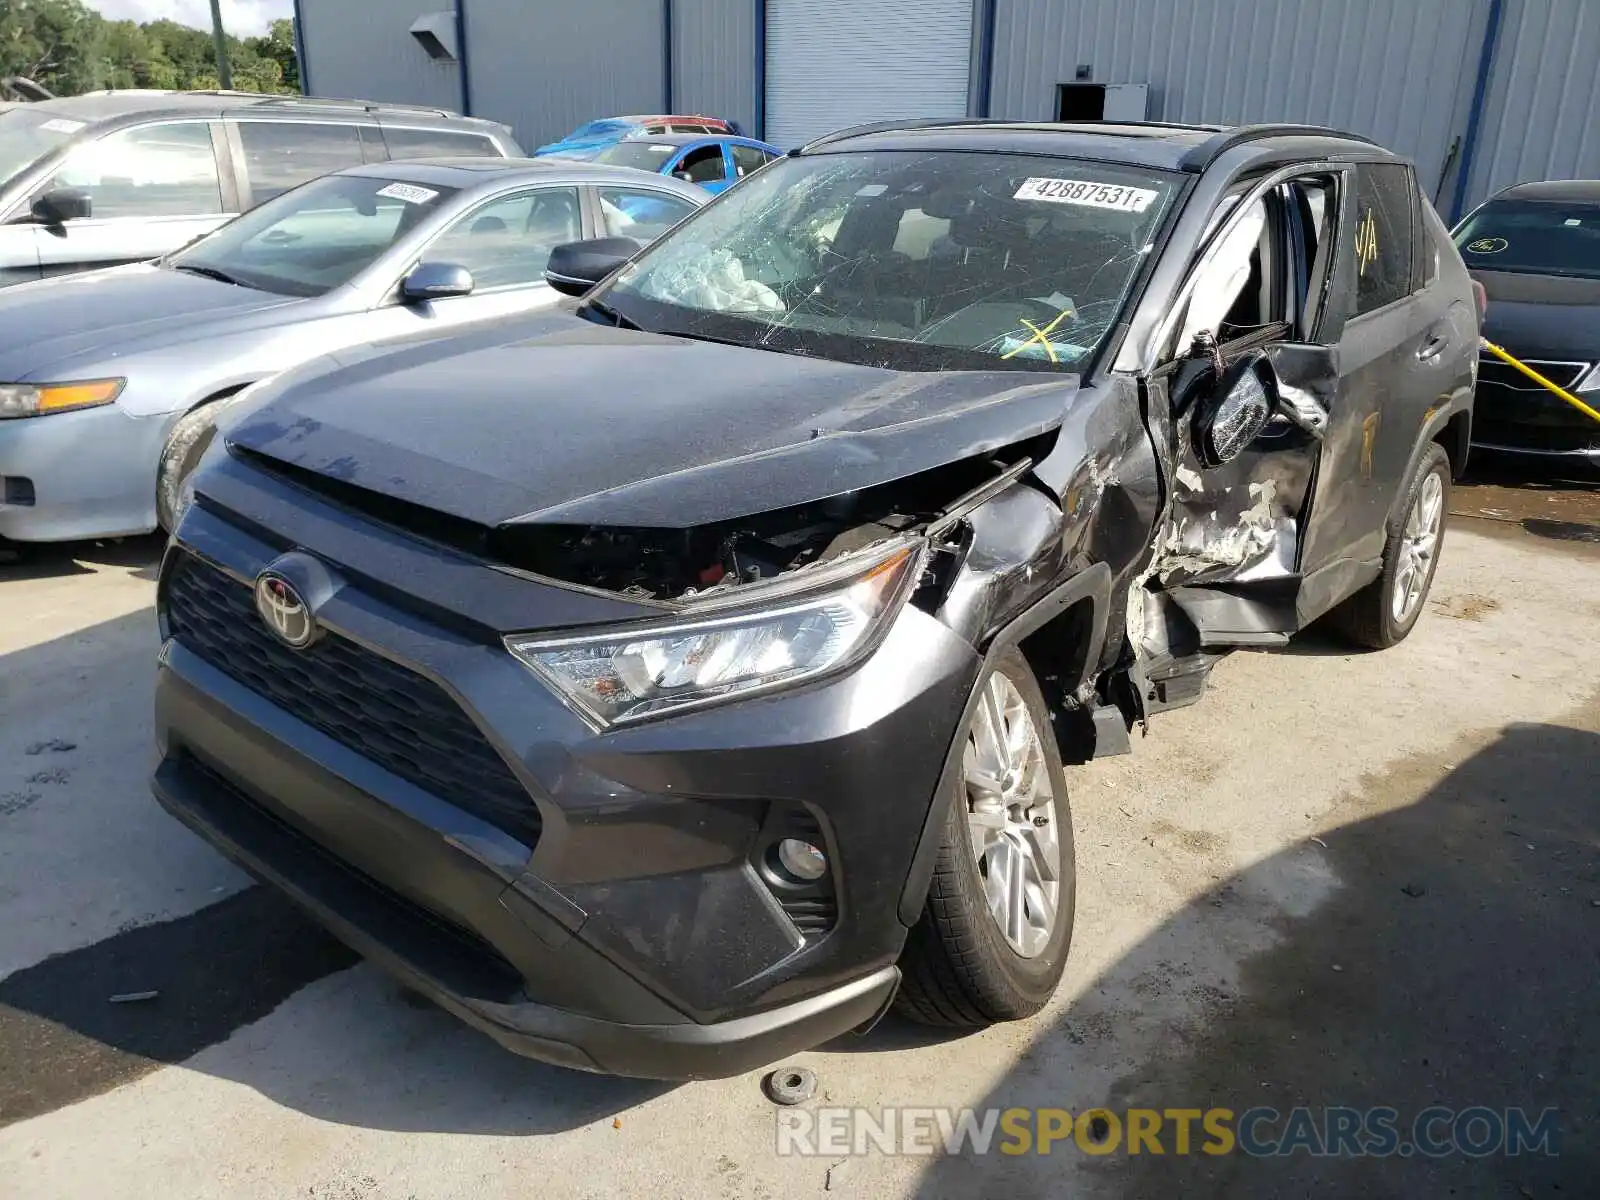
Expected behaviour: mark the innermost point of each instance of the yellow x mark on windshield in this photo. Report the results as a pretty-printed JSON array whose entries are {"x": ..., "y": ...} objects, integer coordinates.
[{"x": 1042, "y": 336}]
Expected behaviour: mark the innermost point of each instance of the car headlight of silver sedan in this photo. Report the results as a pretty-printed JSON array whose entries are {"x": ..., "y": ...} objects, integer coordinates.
[
  {"x": 809, "y": 625},
  {"x": 42, "y": 399}
]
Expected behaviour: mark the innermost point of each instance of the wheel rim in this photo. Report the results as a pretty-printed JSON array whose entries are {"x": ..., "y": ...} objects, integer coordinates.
[
  {"x": 1419, "y": 544},
  {"x": 1011, "y": 812}
]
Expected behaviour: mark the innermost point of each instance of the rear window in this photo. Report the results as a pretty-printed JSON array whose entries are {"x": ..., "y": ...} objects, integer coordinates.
[
  {"x": 437, "y": 143},
  {"x": 283, "y": 154},
  {"x": 1529, "y": 237},
  {"x": 1385, "y": 232}
]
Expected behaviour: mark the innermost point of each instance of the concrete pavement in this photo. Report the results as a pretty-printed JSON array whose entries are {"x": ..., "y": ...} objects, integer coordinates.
[{"x": 1250, "y": 844}]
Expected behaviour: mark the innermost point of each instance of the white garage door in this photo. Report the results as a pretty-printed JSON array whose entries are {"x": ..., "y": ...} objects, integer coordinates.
[{"x": 833, "y": 64}]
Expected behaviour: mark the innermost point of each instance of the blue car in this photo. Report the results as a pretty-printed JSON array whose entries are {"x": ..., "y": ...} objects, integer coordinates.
[
  {"x": 596, "y": 135},
  {"x": 714, "y": 163}
]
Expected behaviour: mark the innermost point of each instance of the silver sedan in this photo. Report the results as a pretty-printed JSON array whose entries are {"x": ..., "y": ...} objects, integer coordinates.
[{"x": 97, "y": 369}]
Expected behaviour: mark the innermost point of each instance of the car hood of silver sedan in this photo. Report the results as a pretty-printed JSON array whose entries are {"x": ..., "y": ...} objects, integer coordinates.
[{"x": 56, "y": 328}]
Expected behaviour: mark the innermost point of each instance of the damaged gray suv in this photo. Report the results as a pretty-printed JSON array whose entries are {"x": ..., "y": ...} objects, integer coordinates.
[{"x": 679, "y": 678}]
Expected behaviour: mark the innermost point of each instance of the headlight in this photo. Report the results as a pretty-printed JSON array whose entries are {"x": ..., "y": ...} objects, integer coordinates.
[
  {"x": 645, "y": 670},
  {"x": 37, "y": 400},
  {"x": 1590, "y": 382}
]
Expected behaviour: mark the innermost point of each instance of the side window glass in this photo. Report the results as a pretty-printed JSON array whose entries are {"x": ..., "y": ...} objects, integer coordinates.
[
  {"x": 704, "y": 165},
  {"x": 1384, "y": 231},
  {"x": 1230, "y": 294},
  {"x": 642, "y": 215},
  {"x": 747, "y": 159},
  {"x": 437, "y": 143},
  {"x": 283, "y": 154},
  {"x": 152, "y": 171},
  {"x": 507, "y": 242}
]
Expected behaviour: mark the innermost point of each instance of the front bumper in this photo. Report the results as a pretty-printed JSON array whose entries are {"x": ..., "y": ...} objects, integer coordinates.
[
  {"x": 79, "y": 475},
  {"x": 624, "y": 923}
]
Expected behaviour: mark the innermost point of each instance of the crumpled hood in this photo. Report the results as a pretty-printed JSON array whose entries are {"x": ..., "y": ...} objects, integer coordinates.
[
  {"x": 98, "y": 313},
  {"x": 573, "y": 422},
  {"x": 1543, "y": 316}
]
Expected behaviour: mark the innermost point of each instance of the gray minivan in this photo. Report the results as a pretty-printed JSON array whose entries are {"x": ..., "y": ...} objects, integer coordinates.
[{"x": 117, "y": 177}]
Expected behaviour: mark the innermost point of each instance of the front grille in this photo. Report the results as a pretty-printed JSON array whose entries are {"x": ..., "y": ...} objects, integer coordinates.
[
  {"x": 392, "y": 716},
  {"x": 1497, "y": 374},
  {"x": 1512, "y": 410}
]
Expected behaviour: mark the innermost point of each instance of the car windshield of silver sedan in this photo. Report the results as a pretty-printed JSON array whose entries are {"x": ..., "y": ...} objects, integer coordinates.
[
  {"x": 910, "y": 259},
  {"x": 1533, "y": 237},
  {"x": 315, "y": 238}
]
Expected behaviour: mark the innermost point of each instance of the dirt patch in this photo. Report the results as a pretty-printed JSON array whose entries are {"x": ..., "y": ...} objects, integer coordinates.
[
  {"x": 1465, "y": 608},
  {"x": 1196, "y": 841}
]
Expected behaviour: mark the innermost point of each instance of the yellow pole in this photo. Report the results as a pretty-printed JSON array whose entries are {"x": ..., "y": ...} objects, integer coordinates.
[{"x": 1538, "y": 378}]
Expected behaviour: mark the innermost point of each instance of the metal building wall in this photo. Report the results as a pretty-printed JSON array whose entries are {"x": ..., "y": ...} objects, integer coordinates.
[
  {"x": 1542, "y": 118},
  {"x": 714, "y": 59},
  {"x": 545, "y": 68},
  {"x": 1399, "y": 71},
  {"x": 363, "y": 50}
]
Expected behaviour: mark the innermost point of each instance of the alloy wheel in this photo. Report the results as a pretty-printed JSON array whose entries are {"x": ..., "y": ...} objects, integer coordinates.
[
  {"x": 1011, "y": 812},
  {"x": 1419, "y": 543}
]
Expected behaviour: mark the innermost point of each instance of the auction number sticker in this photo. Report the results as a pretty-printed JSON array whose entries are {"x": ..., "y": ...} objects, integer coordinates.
[
  {"x": 61, "y": 125},
  {"x": 1093, "y": 195},
  {"x": 409, "y": 192}
]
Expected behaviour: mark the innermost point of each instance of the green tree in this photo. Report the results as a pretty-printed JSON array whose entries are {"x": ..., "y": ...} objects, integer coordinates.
[
  {"x": 278, "y": 45},
  {"x": 70, "y": 48}
]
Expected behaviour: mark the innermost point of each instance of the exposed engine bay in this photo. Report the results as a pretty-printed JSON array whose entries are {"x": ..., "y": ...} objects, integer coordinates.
[{"x": 682, "y": 564}]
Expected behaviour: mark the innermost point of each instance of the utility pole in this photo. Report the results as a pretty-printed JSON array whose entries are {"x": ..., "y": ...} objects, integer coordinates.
[{"x": 224, "y": 67}]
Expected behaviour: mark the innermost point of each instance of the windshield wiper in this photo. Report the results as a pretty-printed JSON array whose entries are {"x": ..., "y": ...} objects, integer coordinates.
[
  {"x": 209, "y": 273},
  {"x": 744, "y": 344},
  {"x": 611, "y": 314}
]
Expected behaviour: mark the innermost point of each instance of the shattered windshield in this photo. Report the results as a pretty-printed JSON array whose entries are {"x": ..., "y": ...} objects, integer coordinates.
[{"x": 912, "y": 259}]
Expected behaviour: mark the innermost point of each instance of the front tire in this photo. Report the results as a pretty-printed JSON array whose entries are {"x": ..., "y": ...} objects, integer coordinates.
[
  {"x": 993, "y": 937},
  {"x": 1386, "y": 610}
]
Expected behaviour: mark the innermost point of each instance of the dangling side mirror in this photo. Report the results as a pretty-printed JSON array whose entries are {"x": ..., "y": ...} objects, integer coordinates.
[{"x": 1238, "y": 408}]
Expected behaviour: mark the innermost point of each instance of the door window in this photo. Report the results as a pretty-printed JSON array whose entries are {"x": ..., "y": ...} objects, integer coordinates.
[
  {"x": 283, "y": 154},
  {"x": 1232, "y": 294},
  {"x": 704, "y": 165},
  {"x": 747, "y": 159},
  {"x": 437, "y": 143},
  {"x": 1385, "y": 229},
  {"x": 151, "y": 171},
  {"x": 641, "y": 214},
  {"x": 507, "y": 242}
]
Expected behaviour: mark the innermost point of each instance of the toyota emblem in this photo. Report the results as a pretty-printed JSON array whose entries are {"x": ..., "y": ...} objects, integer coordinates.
[{"x": 284, "y": 612}]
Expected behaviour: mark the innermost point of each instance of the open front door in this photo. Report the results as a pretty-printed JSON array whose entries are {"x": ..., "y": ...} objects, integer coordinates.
[{"x": 1227, "y": 566}]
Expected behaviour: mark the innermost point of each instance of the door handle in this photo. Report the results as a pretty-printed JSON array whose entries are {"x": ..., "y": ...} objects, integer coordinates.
[{"x": 1433, "y": 347}]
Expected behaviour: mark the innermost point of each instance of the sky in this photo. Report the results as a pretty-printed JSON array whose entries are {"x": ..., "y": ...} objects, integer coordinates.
[{"x": 241, "y": 18}]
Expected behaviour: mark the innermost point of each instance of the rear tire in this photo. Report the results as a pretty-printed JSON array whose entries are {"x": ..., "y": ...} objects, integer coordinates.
[
  {"x": 962, "y": 967},
  {"x": 1381, "y": 614}
]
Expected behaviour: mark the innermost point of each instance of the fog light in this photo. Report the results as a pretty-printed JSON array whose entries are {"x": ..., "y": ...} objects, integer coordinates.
[{"x": 802, "y": 860}]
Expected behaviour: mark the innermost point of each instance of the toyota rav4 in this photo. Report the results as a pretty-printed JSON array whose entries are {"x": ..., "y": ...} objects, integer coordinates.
[{"x": 676, "y": 679}]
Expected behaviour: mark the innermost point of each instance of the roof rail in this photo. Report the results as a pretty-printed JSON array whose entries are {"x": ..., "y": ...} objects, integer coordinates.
[
  {"x": 1208, "y": 151},
  {"x": 839, "y": 135},
  {"x": 271, "y": 99},
  {"x": 963, "y": 122}
]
